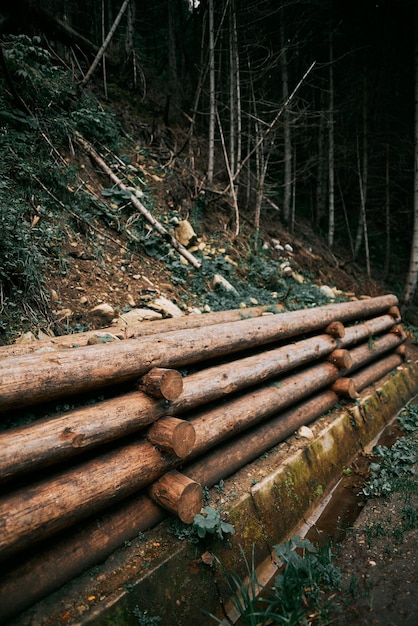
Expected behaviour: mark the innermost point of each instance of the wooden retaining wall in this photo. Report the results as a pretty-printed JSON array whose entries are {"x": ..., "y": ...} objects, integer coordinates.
[{"x": 77, "y": 484}]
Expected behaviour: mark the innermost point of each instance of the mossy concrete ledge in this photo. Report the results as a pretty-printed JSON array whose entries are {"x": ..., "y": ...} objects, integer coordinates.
[{"x": 266, "y": 502}]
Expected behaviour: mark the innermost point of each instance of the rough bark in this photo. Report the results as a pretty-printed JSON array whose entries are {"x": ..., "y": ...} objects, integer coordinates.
[
  {"x": 137, "y": 331},
  {"x": 39, "y": 510},
  {"x": 370, "y": 374},
  {"x": 54, "y": 439},
  {"x": 80, "y": 370},
  {"x": 373, "y": 350}
]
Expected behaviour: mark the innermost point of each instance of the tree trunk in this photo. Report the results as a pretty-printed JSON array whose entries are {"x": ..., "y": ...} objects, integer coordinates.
[
  {"x": 361, "y": 355},
  {"x": 53, "y": 439},
  {"x": 412, "y": 277},
  {"x": 212, "y": 95},
  {"x": 37, "y": 511},
  {"x": 136, "y": 331},
  {"x": 105, "y": 44},
  {"x": 287, "y": 183},
  {"x": 368, "y": 375},
  {"x": 331, "y": 158}
]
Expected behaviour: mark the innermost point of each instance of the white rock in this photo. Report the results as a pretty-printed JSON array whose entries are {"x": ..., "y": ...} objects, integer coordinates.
[
  {"x": 130, "y": 300},
  {"x": 166, "y": 307},
  {"x": 328, "y": 292},
  {"x": 136, "y": 316},
  {"x": 185, "y": 234},
  {"x": 26, "y": 338},
  {"x": 220, "y": 281},
  {"x": 287, "y": 271},
  {"x": 305, "y": 432},
  {"x": 101, "y": 338},
  {"x": 102, "y": 313},
  {"x": 288, "y": 247}
]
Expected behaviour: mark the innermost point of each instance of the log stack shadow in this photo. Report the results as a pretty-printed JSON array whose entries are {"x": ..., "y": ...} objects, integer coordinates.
[{"x": 77, "y": 485}]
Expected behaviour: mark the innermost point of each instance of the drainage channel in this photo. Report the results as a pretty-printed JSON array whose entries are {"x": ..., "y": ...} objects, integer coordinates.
[{"x": 339, "y": 510}]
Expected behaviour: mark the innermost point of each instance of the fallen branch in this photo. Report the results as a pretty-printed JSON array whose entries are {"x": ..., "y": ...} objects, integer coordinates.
[{"x": 137, "y": 204}]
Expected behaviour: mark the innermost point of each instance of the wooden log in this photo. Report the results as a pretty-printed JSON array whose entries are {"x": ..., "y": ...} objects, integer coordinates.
[
  {"x": 173, "y": 435},
  {"x": 395, "y": 313},
  {"x": 231, "y": 456},
  {"x": 373, "y": 350},
  {"x": 344, "y": 387},
  {"x": 178, "y": 494},
  {"x": 57, "y": 438},
  {"x": 397, "y": 329},
  {"x": 73, "y": 553},
  {"x": 401, "y": 350},
  {"x": 36, "y": 512},
  {"x": 335, "y": 329},
  {"x": 140, "y": 330},
  {"x": 340, "y": 358},
  {"x": 373, "y": 373},
  {"x": 162, "y": 383},
  {"x": 369, "y": 328},
  {"x": 137, "y": 204},
  {"x": 67, "y": 372}
]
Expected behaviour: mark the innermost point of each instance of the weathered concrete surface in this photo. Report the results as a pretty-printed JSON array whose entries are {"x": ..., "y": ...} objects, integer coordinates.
[{"x": 266, "y": 501}]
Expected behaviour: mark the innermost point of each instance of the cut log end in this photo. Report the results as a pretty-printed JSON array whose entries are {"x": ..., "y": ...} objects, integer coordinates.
[
  {"x": 173, "y": 435},
  {"x": 345, "y": 387},
  {"x": 162, "y": 383},
  {"x": 398, "y": 330},
  {"x": 395, "y": 313},
  {"x": 335, "y": 329},
  {"x": 341, "y": 358},
  {"x": 179, "y": 495}
]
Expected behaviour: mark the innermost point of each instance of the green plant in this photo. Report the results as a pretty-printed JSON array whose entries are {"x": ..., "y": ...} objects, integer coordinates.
[
  {"x": 210, "y": 522},
  {"x": 408, "y": 418},
  {"x": 182, "y": 531},
  {"x": 392, "y": 466},
  {"x": 297, "y": 595}
]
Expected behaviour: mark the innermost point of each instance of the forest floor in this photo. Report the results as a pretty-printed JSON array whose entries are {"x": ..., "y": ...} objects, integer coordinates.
[{"x": 378, "y": 552}]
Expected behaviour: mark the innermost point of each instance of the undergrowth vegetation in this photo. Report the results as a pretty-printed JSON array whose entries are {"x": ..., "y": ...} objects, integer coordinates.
[
  {"x": 39, "y": 113},
  {"x": 297, "y": 595}
]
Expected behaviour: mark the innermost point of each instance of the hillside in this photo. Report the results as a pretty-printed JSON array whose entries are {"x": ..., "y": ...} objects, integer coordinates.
[{"x": 109, "y": 253}]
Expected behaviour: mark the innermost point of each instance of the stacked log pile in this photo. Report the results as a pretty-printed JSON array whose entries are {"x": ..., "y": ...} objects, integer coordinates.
[{"x": 76, "y": 485}]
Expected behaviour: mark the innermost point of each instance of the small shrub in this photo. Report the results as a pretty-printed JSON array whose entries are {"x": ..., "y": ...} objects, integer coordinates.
[{"x": 211, "y": 523}]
